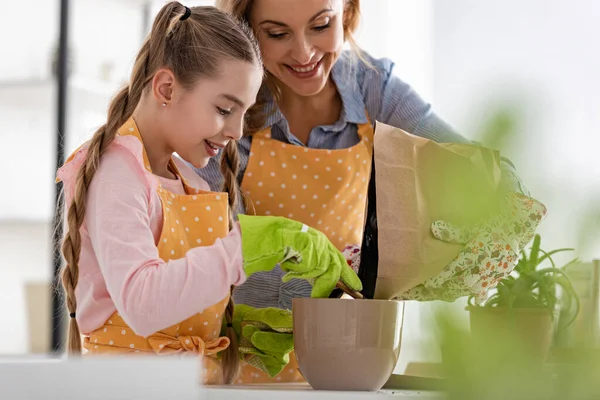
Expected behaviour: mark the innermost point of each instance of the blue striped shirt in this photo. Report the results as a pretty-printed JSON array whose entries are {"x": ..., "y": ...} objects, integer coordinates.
[{"x": 374, "y": 91}]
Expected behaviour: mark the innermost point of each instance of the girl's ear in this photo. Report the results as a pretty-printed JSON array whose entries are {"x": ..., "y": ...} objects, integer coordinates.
[{"x": 162, "y": 85}]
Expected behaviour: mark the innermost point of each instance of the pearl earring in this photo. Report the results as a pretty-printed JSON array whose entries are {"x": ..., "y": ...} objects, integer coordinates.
[{"x": 164, "y": 104}]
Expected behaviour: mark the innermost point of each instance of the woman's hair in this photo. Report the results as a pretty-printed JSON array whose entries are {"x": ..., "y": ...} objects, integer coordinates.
[
  {"x": 242, "y": 9},
  {"x": 192, "y": 48}
]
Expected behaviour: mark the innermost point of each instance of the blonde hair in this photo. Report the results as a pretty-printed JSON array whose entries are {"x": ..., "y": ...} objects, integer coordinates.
[
  {"x": 242, "y": 9},
  {"x": 192, "y": 48}
]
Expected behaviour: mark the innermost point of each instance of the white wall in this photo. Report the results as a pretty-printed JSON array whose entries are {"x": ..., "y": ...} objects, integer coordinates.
[
  {"x": 24, "y": 257},
  {"x": 102, "y": 33},
  {"x": 540, "y": 56},
  {"x": 27, "y": 56},
  {"x": 104, "y": 40},
  {"x": 401, "y": 30}
]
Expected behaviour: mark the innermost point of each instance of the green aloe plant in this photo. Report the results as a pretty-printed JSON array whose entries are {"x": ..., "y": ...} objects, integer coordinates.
[{"x": 531, "y": 285}]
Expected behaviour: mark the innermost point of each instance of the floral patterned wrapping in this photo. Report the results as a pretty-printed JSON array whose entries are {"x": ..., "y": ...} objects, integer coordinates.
[
  {"x": 491, "y": 252},
  {"x": 352, "y": 254}
]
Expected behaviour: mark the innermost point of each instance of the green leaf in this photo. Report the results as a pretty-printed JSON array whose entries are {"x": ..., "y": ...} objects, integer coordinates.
[
  {"x": 549, "y": 255},
  {"x": 522, "y": 264},
  {"x": 494, "y": 300},
  {"x": 571, "y": 294},
  {"x": 534, "y": 253},
  {"x": 572, "y": 262}
]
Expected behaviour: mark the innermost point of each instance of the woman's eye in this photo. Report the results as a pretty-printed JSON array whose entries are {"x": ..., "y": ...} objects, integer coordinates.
[
  {"x": 326, "y": 23},
  {"x": 276, "y": 35},
  {"x": 223, "y": 112},
  {"x": 322, "y": 27}
]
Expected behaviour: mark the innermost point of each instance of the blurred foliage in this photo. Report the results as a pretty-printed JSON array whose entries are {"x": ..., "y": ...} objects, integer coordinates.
[
  {"x": 500, "y": 367},
  {"x": 504, "y": 130}
]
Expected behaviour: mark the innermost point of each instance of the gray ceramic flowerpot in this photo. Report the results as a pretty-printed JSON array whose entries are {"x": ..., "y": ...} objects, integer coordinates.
[{"x": 344, "y": 344}]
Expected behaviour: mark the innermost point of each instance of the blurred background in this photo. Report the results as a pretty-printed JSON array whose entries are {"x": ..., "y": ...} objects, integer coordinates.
[{"x": 524, "y": 67}]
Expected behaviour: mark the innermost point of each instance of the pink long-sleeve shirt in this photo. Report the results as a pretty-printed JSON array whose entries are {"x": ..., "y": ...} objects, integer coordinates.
[{"x": 119, "y": 266}]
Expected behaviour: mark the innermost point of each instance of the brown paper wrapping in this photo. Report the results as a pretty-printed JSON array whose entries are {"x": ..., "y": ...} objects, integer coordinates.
[{"x": 419, "y": 181}]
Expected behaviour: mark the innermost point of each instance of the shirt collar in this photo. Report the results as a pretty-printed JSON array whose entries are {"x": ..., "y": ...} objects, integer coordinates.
[
  {"x": 344, "y": 73},
  {"x": 353, "y": 105}
]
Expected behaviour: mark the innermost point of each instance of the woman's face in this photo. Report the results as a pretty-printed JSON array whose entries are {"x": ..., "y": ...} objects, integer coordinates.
[{"x": 300, "y": 40}]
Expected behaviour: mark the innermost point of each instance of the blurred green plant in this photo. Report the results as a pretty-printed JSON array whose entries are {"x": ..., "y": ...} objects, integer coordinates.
[
  {"x": 500, "y": 367},
  {"x": 501, "y": 130},
  {"x": 504, "y": 130}
]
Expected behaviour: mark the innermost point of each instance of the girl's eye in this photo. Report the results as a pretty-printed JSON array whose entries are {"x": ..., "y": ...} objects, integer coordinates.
[{"x": 223, "y": 112}]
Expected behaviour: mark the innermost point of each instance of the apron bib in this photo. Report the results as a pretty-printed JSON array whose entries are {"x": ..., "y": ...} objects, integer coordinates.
[
  {"x": 324, "y": 189},
  {"x": 197, "y": 218}
]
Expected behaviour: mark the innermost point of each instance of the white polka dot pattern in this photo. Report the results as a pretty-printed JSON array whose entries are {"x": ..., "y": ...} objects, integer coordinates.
[{"x": 330, "y": 182}]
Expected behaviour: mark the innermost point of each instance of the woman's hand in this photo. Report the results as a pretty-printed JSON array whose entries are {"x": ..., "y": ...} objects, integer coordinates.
[{"x": 491, "y": 251}]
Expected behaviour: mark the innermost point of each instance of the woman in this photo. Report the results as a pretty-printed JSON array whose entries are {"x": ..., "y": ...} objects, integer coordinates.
[
  {"x": 307, "y": 148},
  {"x": 318, "y": 99}
]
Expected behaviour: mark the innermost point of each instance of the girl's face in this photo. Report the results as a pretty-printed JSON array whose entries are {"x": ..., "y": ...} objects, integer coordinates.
[
  {"x": 200, "y": 121},
  {"x": 300, "y": 40}
]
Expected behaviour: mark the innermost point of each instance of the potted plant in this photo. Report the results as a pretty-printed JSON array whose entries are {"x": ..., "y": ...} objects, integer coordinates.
[{"x": 524, "y": 304}]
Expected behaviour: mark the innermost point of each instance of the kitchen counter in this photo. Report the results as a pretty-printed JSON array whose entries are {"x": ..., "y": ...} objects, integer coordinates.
[
  {"x": 304, "y": 392},
  {"x": 149, "y": 378}
]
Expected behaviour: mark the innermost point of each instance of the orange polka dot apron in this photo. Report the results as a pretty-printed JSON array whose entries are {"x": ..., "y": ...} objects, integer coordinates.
[
  {"x": 324, "y": 189},
  {"x": 197, "y": 218}
]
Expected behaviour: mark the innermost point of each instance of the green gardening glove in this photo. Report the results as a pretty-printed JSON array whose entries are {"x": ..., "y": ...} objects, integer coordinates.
[
  {"x": 265, "y": 337},
  {"x": 301, "y": 251}
]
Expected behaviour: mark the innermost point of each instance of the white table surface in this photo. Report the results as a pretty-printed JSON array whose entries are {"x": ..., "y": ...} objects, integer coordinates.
[
  {"x": 149, "y": 378},
  {"x": 304, "y": 392},
  {"x": 139, "y": 378}
]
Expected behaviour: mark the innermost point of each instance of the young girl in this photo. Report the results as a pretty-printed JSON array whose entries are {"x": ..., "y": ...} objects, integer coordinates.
[{"x": 150, "y": 257}]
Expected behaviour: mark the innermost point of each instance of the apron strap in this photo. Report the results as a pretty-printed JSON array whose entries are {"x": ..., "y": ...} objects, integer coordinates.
[
  {"x": 186, "y": 186},
  {"x": 263, "y": 133},
  {"x": 366, "y": 130}
]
